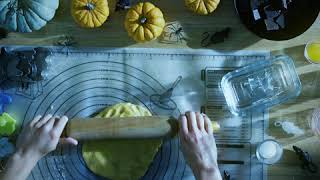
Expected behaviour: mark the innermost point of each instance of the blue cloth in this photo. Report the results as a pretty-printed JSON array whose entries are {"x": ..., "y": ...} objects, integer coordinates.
[
  {"x": 4, "y": 100},
  {"x": 6, "y": 148}
]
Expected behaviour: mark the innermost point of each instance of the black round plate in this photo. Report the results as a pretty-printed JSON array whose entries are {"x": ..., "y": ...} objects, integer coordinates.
[{"x": 298, "y": 17}]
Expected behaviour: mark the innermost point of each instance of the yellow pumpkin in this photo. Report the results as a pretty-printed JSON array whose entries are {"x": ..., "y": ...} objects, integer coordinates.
[
  {"x": 144, "y": 22},
  {"x": 203, "y": 7},
  {"x": 90, "y": 13}
]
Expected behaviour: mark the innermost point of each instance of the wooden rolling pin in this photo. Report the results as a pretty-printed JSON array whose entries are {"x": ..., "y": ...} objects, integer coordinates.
[{"x": 124, "y": 128}]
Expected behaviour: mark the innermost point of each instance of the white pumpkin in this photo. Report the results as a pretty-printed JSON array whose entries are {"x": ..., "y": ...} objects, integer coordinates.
[{"x": 26, "y": 15}]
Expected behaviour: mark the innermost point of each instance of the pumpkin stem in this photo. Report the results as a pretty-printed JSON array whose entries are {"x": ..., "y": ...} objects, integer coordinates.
[
  {"x": 143, "y": 20},
  {"x": 89, "y": 6}
]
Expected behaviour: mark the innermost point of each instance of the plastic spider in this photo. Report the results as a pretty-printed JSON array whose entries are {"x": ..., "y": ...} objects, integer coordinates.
[
  {"x": 174, "y": 33},
  {"x": 65, "y": 42}
]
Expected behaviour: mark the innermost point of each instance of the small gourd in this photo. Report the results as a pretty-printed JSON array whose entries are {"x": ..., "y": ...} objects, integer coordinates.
[
  {"x": 90, "y": 13},
  {"x": 202, "y": 7},
  {"x": 7, "y": 125},
  {"x": 26, "y": 15},
  {"x": 144, "y": 22}
]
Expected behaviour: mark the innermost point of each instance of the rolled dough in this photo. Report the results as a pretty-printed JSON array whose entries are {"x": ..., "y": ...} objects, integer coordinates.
[{"x": 121, "y": 159}]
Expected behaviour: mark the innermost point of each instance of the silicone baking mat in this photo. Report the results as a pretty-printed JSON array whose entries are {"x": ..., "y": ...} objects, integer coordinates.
[{"x": 80, "y": 82}]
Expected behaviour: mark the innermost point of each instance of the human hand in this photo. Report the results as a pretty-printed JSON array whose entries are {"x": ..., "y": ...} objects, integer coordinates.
[
  {"x": 198, "y": 145},
  {"x": 42, "y": 135},
  {"x": 37, "y": 139}
]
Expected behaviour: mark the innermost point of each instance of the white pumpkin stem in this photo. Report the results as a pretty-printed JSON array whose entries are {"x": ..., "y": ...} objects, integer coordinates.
[
  {"x": 90, "y": 6},
  {"x": 143, "y": 20}
]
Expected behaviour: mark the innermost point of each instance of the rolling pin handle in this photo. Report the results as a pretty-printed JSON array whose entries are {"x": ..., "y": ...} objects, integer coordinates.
[{"x": 122, "y": 128}]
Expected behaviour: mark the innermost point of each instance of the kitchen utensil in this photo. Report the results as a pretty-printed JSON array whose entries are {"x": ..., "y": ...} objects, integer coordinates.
[
  {"x": 124, "y": 128},
  {"x": 261, "y": 85},
  {"x": 119, "y": 128}
]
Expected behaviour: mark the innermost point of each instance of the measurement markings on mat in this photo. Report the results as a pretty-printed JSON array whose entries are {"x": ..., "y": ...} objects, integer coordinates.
[
  {"x": 83, "y": 82},
  {"x": 216, "y": 108},
  {"x": 235, "y": 158}
]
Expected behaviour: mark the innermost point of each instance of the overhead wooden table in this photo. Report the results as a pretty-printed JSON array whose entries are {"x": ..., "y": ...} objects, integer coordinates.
[{"x": 113, "y": 34}]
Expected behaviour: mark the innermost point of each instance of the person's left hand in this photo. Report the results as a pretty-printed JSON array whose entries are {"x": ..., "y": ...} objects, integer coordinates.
[
  {"x": 42, "y": 136},
  {"x": 37, "y": 139}
]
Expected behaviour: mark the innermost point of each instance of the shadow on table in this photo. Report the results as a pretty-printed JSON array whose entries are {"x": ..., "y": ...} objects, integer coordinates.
[
  {"x": 291, "y": 121},
  {"x": 113, "y": 34},
  {"x": 224, "y": 16}
]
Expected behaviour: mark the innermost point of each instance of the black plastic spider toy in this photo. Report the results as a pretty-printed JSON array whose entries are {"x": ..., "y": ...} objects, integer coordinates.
[
  {"x": 177, "y": 31},
  {"x": 174, "y": 33}
]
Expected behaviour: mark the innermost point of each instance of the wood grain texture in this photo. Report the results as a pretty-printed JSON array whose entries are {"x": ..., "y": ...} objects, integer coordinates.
[
  {"x": 297, "y": 111},
  {"x": 113, "y": 34},
  {"x": 122, "y": 128}
]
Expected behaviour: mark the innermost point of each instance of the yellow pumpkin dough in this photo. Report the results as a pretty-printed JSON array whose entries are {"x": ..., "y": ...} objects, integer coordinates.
[{"x": 121, "y": 159}]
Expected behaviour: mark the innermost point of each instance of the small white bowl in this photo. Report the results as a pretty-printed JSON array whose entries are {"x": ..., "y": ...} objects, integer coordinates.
[{"x": 270, "y": 156}]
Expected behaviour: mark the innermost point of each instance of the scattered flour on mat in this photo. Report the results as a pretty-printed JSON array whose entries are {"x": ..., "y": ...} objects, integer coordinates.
[{"x": 290, "y": 127}]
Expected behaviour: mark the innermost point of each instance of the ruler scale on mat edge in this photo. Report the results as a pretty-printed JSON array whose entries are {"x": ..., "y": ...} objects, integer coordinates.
[
  {"x": 235, "y": 165},
  {"x": 216, "y": 108}
]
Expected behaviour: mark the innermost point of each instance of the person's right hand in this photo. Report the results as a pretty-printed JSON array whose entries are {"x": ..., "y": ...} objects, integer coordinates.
[
  {"x": 198, "y": 145},
  {"x": 42, "y": 135}
]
